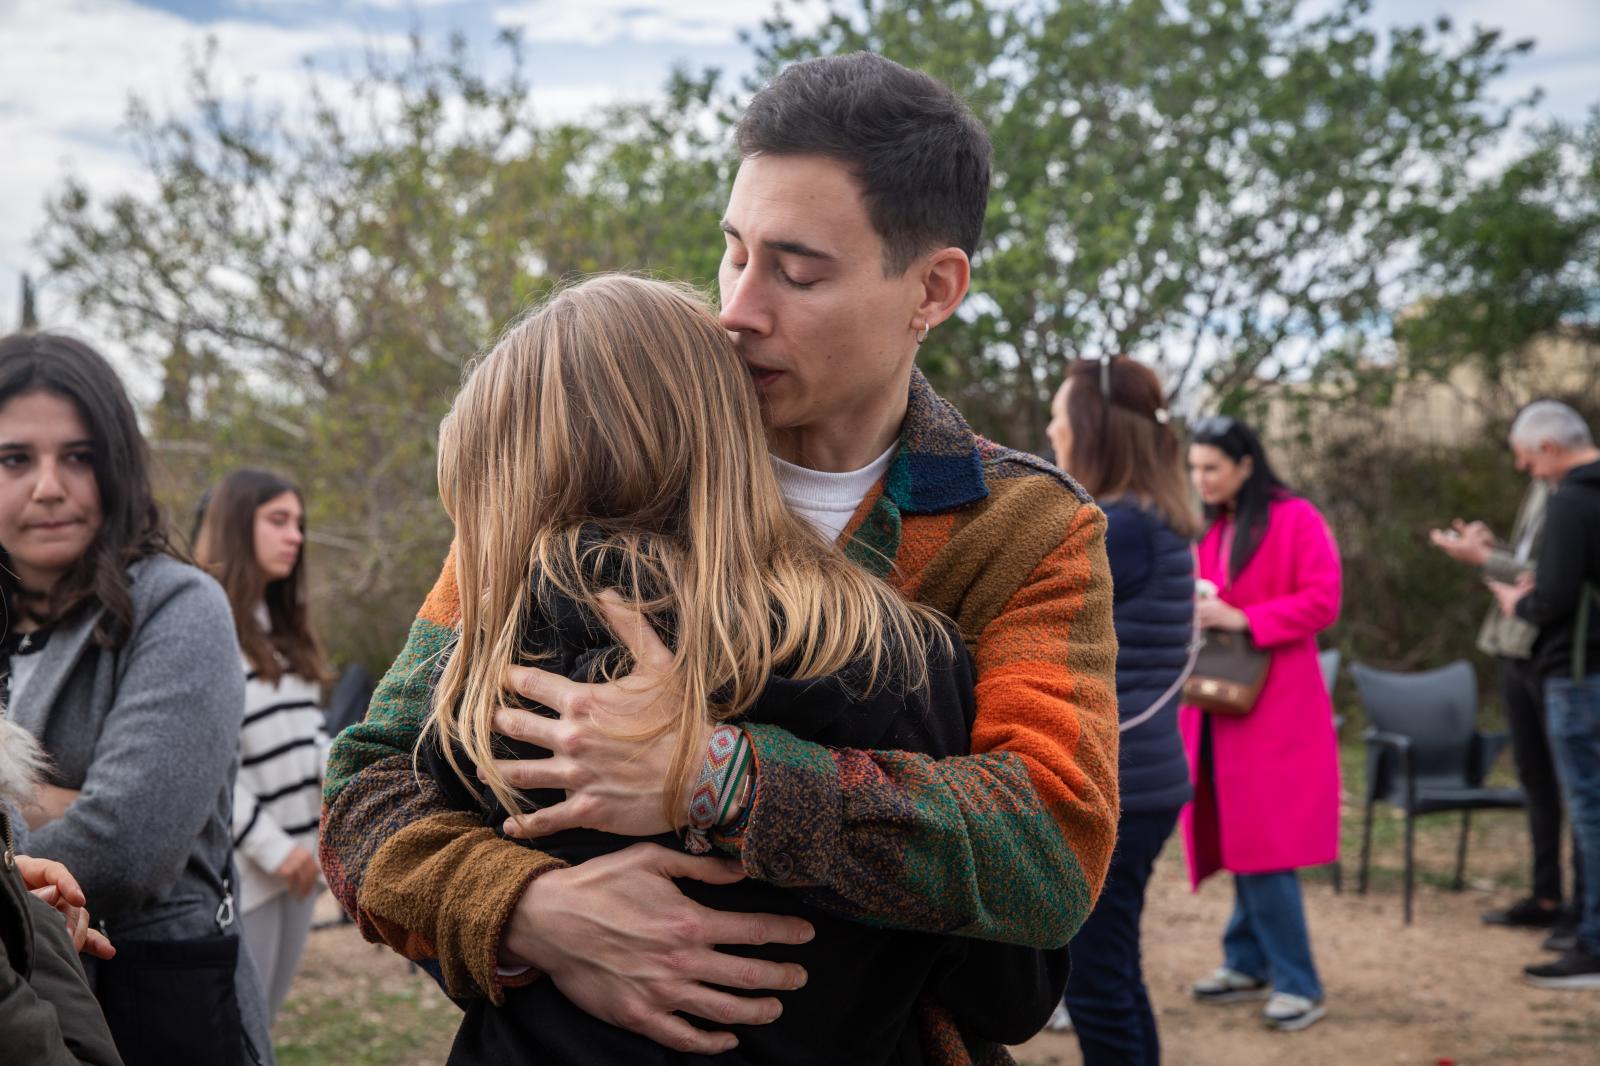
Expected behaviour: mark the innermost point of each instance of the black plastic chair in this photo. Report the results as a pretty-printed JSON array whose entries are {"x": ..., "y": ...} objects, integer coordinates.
[
  {"x": 347, "y": 705},
  {"x": 1426, "y": 756}
]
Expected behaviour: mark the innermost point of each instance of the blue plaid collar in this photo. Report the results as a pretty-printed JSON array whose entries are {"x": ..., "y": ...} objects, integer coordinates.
[{"x": 938, "y": 466}]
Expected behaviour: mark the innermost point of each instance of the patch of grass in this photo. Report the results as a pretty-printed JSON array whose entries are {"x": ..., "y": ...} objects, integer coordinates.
[{"x": 378, "y": 1028}]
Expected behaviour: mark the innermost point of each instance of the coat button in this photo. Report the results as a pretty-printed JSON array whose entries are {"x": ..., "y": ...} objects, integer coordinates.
[{"x": 781, "y": 868}]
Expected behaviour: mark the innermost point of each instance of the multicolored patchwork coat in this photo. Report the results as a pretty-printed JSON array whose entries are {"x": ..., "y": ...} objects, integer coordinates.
[{"x": 1010, "y": 843}]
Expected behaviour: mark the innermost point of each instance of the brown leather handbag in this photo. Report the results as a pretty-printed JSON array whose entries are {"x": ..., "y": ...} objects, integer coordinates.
[{"x": 1228, "y": 673}]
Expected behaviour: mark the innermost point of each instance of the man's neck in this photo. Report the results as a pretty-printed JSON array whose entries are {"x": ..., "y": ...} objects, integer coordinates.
[
  {"x": 841, "y": 444},
  {"x": 1578, "y": 457}
]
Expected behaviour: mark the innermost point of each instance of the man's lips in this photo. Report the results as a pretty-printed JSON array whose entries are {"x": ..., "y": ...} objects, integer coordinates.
[{"x": 763, "y": 376}]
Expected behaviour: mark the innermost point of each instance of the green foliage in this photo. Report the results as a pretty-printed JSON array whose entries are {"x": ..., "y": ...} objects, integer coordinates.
[
  {"x": 1230, "y": 189},
  {"x": 311, "y": 290},
  {"x": 1223, "y": 188},
  {"x": 1407, "y": 606},
  {"x": 1517, "y": 257}
]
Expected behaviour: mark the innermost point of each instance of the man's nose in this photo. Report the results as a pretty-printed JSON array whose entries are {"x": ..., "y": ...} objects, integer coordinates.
[{"x": 744, "y": 305}]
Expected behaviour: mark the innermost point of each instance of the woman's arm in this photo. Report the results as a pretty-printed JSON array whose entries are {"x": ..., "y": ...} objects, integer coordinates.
[{"x": 164, "y": 756}]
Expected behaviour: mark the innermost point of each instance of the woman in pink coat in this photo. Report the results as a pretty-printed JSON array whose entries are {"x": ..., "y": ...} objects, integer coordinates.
[{"x": 1266, "y": 783}]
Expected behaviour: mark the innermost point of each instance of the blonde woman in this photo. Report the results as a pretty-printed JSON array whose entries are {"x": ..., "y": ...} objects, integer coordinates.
[{"x": 612, "y": 441}]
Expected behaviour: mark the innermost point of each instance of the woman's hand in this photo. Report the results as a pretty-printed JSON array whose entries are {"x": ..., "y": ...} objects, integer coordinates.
[
  {"x": 613, "y": 783},
  {"x": 49, "y": 803},
  {"x": 1212, "y": 613},
  {"x": 300, "y": 871},
  {"x": 1508, "y": 596},
  {"x": 55, "y": 885}
]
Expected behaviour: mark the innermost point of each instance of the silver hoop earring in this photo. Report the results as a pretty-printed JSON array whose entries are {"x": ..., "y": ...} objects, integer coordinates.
[{"x": 922, "y": 335}]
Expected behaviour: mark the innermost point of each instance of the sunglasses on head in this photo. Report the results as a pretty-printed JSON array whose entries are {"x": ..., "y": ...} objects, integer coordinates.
[{"x": 1214, "y": 426}]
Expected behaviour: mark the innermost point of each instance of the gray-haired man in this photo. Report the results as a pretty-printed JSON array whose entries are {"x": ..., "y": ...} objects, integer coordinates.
[
  {"x": 1510, "y": 641},
  {"x": 1553, "y": 444}
]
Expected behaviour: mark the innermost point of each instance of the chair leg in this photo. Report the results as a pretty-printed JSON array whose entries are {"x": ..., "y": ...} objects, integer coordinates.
[
  {"x": 1338, "y": 878},
  {"x": 1461, "y": 851},
  {"x": 1410, "y": 869},
  {"x": 1366, "y": 850}
]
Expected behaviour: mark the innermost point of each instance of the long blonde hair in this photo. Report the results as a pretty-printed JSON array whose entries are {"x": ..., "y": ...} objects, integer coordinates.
[{"x": 620, "y": 408}]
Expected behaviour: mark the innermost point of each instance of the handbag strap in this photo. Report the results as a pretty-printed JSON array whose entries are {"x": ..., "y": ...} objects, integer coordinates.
[{"x": 1195, "y": 643}]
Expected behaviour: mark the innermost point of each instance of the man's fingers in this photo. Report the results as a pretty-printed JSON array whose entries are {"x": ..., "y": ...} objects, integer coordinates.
[
  {"x": 554, "y": 772},
  {"x": 62, "y": 878},
  {"x": 568, "y": 814},
  {"x": 735, "y": 971},
  {"x": 635, "y": 632},
  {"x": 97, "y": 945},
  {"x": 725, "y": 1008},
  {"x": 534, "y": 728},
  {"x": 671, "y": 1031},
  {"x": 728, "y": 927},
  {"x": 541, "y": 686},
  {"x": 712, "y": 869}
]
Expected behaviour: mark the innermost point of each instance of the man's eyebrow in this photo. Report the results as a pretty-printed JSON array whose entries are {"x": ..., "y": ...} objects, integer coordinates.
[{"x": 788, "y": 247}]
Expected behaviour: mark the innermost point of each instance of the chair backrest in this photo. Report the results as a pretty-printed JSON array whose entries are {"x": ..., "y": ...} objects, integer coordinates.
[
  {"x": 348, "y": 704},
  {"x": 1329, "y": 661},
  {"x": 1436, "y": 709}
]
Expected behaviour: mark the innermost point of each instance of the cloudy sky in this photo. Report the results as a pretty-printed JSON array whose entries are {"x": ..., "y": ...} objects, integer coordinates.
[{"x": 67, "y": 67}]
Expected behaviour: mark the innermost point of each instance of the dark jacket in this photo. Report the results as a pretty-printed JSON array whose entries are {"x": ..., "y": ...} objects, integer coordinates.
[
  {"x": 48, "y": 1016},
  {"x": 1569, "y": 565},
  {"x": 1152, "y": 574},
  {"x": 864, "y": 982}
]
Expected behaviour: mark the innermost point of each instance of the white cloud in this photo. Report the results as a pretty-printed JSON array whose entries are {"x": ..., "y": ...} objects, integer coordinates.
[
  {"x": 405, "y": 5},
  {"x": 69, "y": 69},
  {"x": 679, "y": 22}
]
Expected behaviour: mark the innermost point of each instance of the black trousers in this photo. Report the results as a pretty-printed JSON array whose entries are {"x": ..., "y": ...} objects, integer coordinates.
[
  {"x": 1105, "y": 992},
  {"x": 1522, "y": 693}
]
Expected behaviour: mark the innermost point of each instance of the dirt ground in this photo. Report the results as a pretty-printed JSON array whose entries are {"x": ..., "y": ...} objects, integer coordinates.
[{"x": 1445, "y": 990}]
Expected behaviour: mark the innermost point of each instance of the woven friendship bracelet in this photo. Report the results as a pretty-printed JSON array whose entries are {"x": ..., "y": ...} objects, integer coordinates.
[{"x": 721, "y": 774}]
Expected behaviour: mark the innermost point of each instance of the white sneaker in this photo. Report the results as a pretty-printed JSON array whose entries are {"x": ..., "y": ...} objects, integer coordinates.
[
  {"x": 1289, "y": 1014},
  {"x": 1060, "y": 1021},
  {"x": 1226, "y": 985}
]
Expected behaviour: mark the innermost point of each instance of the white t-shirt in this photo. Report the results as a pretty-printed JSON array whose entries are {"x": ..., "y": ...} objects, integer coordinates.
[{"x": 828, "y": 500}]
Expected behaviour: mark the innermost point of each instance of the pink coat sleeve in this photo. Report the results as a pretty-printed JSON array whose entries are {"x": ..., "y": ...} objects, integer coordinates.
[{"x": 1313, "y": 562}]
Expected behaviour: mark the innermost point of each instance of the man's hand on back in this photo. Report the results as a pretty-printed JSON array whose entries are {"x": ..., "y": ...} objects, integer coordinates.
[
  {"x": 611, "y": 746},
  {"x": 625, "y": 945}
]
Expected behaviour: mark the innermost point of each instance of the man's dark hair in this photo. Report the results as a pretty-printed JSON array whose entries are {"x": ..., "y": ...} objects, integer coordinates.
[{"x": 921, "y": 156}]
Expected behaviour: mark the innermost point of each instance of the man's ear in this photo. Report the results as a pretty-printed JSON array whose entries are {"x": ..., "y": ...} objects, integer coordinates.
[{"x": 946, "y": 274}]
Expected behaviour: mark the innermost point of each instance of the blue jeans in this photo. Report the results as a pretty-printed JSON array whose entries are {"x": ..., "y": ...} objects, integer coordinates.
[
  {"x": 1267, "y": 936},
  {"x": 1573, "y": 712},
  {"x": 1105, "y": 991}
]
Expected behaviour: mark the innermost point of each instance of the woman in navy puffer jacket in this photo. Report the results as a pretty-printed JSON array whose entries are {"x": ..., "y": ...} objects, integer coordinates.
[{"x": 1110, "y": 431}]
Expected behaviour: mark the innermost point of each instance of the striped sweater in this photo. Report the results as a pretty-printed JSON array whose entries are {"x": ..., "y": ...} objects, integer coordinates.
[
  {"x": 1010, "y": 843},
  {"x": 282, "y": 750}
]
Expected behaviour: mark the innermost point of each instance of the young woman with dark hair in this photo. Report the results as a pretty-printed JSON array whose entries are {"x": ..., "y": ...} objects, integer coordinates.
[
  {"x": 251, "y": 539},
  {"x": 1111, "y": 431},
  {"x": 120, "y": 658},
  {"x": 1266, "y": 783}
]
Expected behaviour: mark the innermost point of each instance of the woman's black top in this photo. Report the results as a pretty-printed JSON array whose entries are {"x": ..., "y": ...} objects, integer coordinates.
[{"x": 859, "y": 1002}]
